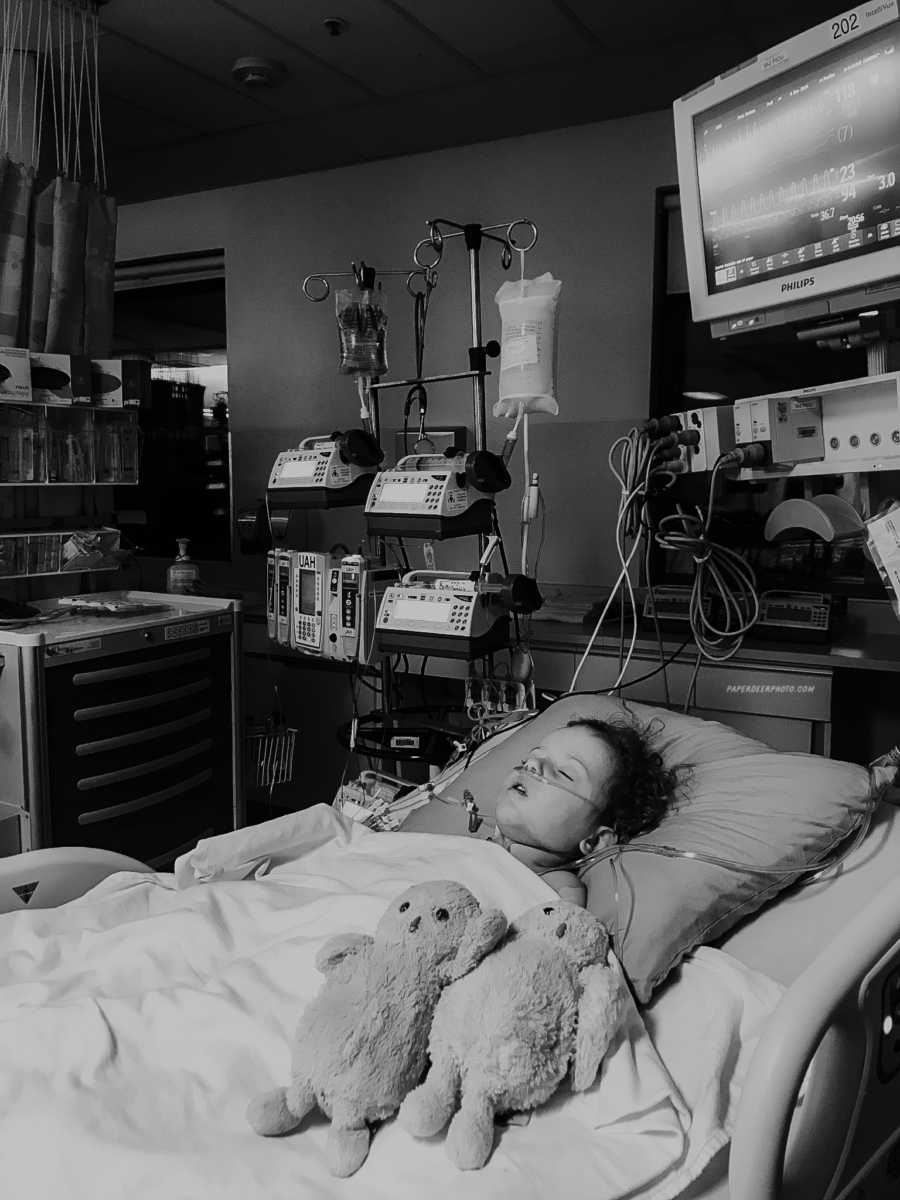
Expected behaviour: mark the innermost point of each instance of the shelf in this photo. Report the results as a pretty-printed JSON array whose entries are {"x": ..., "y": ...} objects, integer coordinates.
[
  {"x": 58, "y": 574},
  {"x": 68, "y": 445},
  {"x": 850, "y": 466},
  {"x": 13, "y": 402},
  {"x": 66, "y": 483},
  {"x": 26, "y": 554}
]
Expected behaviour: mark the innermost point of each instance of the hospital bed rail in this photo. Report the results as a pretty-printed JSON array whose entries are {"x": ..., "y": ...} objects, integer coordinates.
[
  {"x": 49, "y": 877},
  {"x": 819, "y": 1112}
]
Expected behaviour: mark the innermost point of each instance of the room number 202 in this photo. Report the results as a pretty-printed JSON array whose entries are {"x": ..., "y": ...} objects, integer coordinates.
[{"x": 845, "y": 25}]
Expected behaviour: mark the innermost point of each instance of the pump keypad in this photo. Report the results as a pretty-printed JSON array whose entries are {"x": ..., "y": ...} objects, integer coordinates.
[
  {"x": 459, "y": 617},
  {"x": 307, "y": 630},
  {"x": 433, "y": 496}
]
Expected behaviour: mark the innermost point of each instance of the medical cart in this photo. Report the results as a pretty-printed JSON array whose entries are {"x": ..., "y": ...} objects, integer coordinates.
[{"x": 119, "y": 724}]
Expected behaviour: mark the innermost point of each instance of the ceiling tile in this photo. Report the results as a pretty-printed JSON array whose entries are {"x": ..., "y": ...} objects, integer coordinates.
[
  {"x": 505, "y": 34},
  {"x": 149, "y": 81},
  {"x": 653, "y": 22},
  {"x": 205, "y": 37},
  {"x": 382, "y": 47},
  {"x": 129, "y": 127}
]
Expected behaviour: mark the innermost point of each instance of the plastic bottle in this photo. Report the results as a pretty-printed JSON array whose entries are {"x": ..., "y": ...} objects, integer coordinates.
[{"x": 183, "y": 576}]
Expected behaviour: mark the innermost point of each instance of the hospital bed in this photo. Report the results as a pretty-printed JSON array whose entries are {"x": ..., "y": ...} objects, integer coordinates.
[{"x": 819, "y": 1113}]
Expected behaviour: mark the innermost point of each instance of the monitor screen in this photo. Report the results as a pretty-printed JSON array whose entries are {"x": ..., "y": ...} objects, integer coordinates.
[
  {"x": 804, "y": 169},
  {"x": 789, "y": 177},
  {"x": 410, "y": 608},
  {"x": 307, "y": 605},
  {"x": 404, "y": 493},
  {"x": 298, "y": 468}
]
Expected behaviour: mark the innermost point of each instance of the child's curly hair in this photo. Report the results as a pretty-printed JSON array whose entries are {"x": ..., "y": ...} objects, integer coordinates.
[{"x": 643, "y": 788}]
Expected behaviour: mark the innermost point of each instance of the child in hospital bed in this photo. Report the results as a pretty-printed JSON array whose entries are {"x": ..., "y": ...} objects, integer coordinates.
[{"x": 586, "y": 786}]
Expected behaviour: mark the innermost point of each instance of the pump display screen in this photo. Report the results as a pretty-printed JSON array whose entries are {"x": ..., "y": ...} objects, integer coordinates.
[
  {"x": 404, "y": 493},
  {"x": 298, "y": 468},
  {"x": 435, "y": 612},
  {"x": 307, "y": 606},
  {"x": 804, "y": 169}
]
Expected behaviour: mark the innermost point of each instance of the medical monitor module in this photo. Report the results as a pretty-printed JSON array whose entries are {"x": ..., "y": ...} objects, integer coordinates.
[{"x": 789, "y": 177}]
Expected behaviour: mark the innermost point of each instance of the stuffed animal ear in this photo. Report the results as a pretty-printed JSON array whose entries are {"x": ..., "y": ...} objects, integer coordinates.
[
  {"x": 338, "y": 950},
  {"x": 600, "y": 1012},
  {"x": 482, "y": 934}
]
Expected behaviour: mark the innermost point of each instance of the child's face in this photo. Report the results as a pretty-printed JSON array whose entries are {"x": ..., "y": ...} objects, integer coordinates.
[{"x": 556, "y": 798}]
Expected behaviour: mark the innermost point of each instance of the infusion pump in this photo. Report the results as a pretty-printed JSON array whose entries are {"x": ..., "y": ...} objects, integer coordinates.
[
  {"x": 327, "y": 471},
  {"x": 325, "y": 605},
  {"x": 445, "y": 615},
  {"x": 430, "y": 496}
]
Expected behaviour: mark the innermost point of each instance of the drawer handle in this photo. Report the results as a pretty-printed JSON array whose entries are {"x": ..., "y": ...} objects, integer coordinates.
[
  {"x": 141, "y": 702},
  {"x": 177, "y": 851},
  {"x": 156, "y": 764},
  {"x": 130, "y": 806},
  {"x": 110, "y": 674},
  {"x": 143, "y": 735}
]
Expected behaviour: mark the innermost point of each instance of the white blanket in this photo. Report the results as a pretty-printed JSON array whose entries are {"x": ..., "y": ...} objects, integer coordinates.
[{"x": 137, "y": 1021}]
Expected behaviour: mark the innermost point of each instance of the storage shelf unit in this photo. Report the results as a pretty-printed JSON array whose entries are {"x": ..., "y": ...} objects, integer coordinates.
[
  {"x": 26, "y": 555},
  {"x": 123, "y": 733},
  {"x": 50, "y": 445}
]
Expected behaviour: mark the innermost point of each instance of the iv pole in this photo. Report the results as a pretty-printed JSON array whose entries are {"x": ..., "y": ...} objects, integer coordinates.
[{"x": 432, "y": 247}]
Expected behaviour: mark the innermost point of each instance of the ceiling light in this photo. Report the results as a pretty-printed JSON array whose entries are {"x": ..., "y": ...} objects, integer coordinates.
[{"x": 257, "y": 72}]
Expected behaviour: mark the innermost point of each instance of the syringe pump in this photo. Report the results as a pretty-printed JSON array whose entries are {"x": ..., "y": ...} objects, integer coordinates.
[
  {"x": 446, "y": 614},
  {"x": 436, "y": 496},
  {"x": 326, "y": 471}
]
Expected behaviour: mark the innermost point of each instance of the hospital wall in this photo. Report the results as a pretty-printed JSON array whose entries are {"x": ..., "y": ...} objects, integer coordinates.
[{"x": 589, "y": 189}]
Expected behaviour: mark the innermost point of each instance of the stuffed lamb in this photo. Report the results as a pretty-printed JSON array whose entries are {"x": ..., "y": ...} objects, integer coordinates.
[
  {"x": 503, "y": 1037},
  {"x": 362, "y": 1041}
]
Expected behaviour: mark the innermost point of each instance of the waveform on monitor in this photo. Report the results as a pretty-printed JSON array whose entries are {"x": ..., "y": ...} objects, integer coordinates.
[
  {"x": 822, "y": 188},
  {"x": 782, "y": 130}
]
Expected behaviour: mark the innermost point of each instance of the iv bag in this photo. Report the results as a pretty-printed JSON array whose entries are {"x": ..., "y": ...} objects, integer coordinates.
[
  {"x": 362, "y": 332},
  {"x": 528, "y": 346}
]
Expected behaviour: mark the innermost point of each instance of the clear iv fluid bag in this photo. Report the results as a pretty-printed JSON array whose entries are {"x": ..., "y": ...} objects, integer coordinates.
[
  {"x": 528, "y": 310},
  {"x": 362, "y": 332}
]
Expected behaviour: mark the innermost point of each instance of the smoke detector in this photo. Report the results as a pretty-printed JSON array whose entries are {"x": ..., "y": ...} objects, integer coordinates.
[{"x": 257, "y": 72}]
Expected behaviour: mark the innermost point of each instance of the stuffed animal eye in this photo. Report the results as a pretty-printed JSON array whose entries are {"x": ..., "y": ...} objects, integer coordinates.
[
  {"x": 441, "y": 914},
  {"x": 547, "y": 911},
  {"x": 561, "y": 930},
  {"x": 404, "y": 906}
]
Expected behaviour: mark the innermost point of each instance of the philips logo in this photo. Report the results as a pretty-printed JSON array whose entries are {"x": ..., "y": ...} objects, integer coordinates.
[{"x": 797, "y": 285}]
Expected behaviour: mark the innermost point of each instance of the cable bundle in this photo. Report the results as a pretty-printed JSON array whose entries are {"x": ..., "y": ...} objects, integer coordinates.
[
  {"x": 647, "y": 460},
  {"x": 643, "y": 463},
  {"x": 721, "y": 574}
]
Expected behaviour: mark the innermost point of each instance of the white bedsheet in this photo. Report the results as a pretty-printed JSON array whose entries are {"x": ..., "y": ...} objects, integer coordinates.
[{"x": 137, "y": 1021}]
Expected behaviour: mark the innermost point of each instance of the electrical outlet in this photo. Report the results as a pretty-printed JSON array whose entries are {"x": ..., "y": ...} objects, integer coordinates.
[
  {"x": 686, "y": 452},
  {"x": 696, "y": 420}
]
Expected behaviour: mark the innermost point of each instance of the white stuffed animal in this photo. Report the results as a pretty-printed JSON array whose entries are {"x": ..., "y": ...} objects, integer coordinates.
[
  {"x": 504, "y": 1036},
  {"x": 361, "y": 1043}
]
